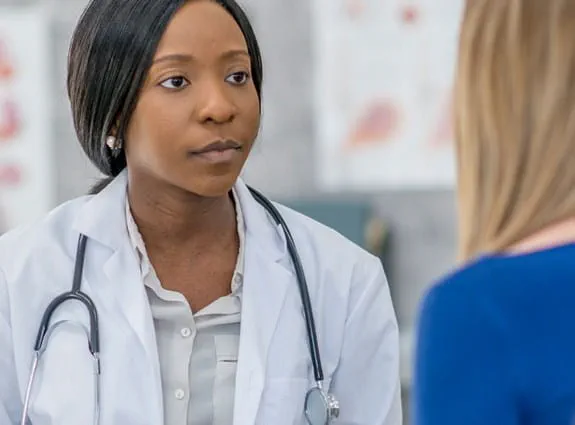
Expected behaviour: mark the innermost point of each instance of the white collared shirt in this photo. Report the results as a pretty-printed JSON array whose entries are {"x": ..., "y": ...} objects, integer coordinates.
[{"x": 198, "y": 351}]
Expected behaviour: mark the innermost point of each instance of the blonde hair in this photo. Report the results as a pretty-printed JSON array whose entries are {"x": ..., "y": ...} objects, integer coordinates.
[{"x": 514, "y": 125}]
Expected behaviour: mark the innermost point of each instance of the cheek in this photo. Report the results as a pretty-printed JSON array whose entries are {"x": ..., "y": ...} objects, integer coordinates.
[
  {"x": 153, "y": 122},
  {"x": 252, "y": 117},
  {"x": 159, "y": 114}
]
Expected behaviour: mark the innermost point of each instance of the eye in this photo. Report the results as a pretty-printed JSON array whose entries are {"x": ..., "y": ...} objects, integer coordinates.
[
  {"x": 238, "y": 78},
  {"x": 175, "y": 83}
]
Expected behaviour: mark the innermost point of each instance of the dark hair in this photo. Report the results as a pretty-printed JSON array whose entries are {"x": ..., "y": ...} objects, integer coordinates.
[{"x": 111, "y": 52}]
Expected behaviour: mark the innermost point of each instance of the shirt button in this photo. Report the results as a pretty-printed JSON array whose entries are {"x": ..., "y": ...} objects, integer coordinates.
[
  {"x": 186, "y": 332},
  {"x": 179, "y": 394}
]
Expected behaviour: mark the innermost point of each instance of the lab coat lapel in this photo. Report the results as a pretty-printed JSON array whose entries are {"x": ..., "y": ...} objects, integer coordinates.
[
  {"x": 266, "y": 280},
  {"x": 122, "y": 293},
  {"x": 129, "y": 295}
]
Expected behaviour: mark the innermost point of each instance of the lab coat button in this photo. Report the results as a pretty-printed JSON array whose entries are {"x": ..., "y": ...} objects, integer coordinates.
[
  {"x": 179, "y": 394},
  {"x": 185, "y": 332}
]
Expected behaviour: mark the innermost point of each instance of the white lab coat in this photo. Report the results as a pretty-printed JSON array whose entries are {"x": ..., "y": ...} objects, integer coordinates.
[{"x": 355, "y": 321}]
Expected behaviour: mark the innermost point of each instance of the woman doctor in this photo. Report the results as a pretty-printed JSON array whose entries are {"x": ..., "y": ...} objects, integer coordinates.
[{"x": 199, "y": 312}]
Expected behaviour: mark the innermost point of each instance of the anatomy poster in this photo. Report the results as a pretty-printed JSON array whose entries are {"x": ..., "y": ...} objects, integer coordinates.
[
  {"x": 26, "y": 171},
  {"x": 383, "y": 78}
]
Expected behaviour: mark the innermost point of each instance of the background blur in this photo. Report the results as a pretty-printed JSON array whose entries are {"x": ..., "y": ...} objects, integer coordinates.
[{"x": 307, "y": 65}]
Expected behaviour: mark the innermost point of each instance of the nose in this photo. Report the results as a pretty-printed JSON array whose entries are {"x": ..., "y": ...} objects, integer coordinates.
[{"x": 216, "y": 105}]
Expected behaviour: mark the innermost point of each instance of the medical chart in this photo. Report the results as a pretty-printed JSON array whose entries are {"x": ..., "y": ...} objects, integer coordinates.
[
  {"x": 384, "y": 74},
  {"x": 26, "y": 164}
]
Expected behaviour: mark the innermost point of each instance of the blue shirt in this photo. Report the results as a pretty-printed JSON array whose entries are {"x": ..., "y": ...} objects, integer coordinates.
[{"x": 496, "y": 343}]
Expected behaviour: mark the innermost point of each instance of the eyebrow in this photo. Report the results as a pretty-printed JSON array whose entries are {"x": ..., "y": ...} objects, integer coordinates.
[{"x": 179, "y": 57}]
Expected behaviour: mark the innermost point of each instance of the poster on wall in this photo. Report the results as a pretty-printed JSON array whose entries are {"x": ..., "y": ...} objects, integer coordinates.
[
  {"x": 384, "y": 74},
  {"x": 26, "y": 164}
]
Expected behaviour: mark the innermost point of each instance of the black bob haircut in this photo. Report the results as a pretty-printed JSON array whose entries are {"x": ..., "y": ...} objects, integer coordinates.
[{"x": 111, "y": 52}]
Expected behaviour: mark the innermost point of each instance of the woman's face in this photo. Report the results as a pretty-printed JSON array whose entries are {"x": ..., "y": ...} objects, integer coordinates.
[{"x": 198, "y": 113}]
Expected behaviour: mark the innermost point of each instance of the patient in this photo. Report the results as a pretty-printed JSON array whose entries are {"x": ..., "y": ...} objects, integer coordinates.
[{"x": 496, "y": 341}]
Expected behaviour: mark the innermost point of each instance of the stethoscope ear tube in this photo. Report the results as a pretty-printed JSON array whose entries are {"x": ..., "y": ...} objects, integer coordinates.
[
  {"x": 302, "y": 284},
  {"x": 74, "y": 294}
]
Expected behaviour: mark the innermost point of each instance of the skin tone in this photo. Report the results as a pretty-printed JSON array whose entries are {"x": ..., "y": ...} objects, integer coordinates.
[
  {"x": 562, "y": 233},
  {"x": 198, "y": 92}
]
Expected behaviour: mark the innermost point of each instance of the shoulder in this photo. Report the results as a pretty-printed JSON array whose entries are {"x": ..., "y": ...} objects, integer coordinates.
[
  {"x": 460, "y": 288},
  {"x": 34, "y": 240},
  {"x": 504, "y": 283},
  {"x": 334, "y": 264},
  {"x": 478, "y": 298},
  {"x": 462, "y": 281},
  {"x": 327, "y": 256},
  {"x": 329, "y": 246},
  {"x": 347, "y": 285}
]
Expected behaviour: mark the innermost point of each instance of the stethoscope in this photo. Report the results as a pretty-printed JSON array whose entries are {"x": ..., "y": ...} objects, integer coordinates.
[{"x": 320, "y": 407}]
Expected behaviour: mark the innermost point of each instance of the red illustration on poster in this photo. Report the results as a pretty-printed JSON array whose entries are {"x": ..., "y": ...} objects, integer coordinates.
[
  {"x": 354, "y": 8},
  {"x": 383, "y": 73},
  {"x": 10, "y": 175},
  {"x": 409, "y": 14},
  {"x": 9, "y": 120},
  {"x": 378, "y": 124},
  {"x": 27, "y": 177}
]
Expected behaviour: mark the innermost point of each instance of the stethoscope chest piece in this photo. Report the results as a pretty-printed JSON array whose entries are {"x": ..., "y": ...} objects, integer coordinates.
[{"x": 320, "y": 407}]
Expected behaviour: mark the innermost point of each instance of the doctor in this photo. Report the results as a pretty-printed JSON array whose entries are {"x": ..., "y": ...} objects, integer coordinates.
[{"x": 199, "y": 312}]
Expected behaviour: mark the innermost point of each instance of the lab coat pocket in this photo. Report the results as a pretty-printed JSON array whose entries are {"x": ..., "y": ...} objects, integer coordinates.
[{"x": 283, "y": 402}]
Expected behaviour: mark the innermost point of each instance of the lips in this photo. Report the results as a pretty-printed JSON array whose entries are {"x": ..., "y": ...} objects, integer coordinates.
[
  {"x": 218, "y": 146},
  {"x": 219, "y": 153}
]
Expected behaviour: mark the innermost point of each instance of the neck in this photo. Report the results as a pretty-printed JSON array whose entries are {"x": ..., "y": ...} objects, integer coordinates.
[
  {"x": 561, "y": 233},
  {"x": 169, "y": 218}
]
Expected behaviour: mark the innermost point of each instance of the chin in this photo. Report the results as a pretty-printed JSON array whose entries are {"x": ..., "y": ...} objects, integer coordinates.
[{"x": 212, "y": 186}]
